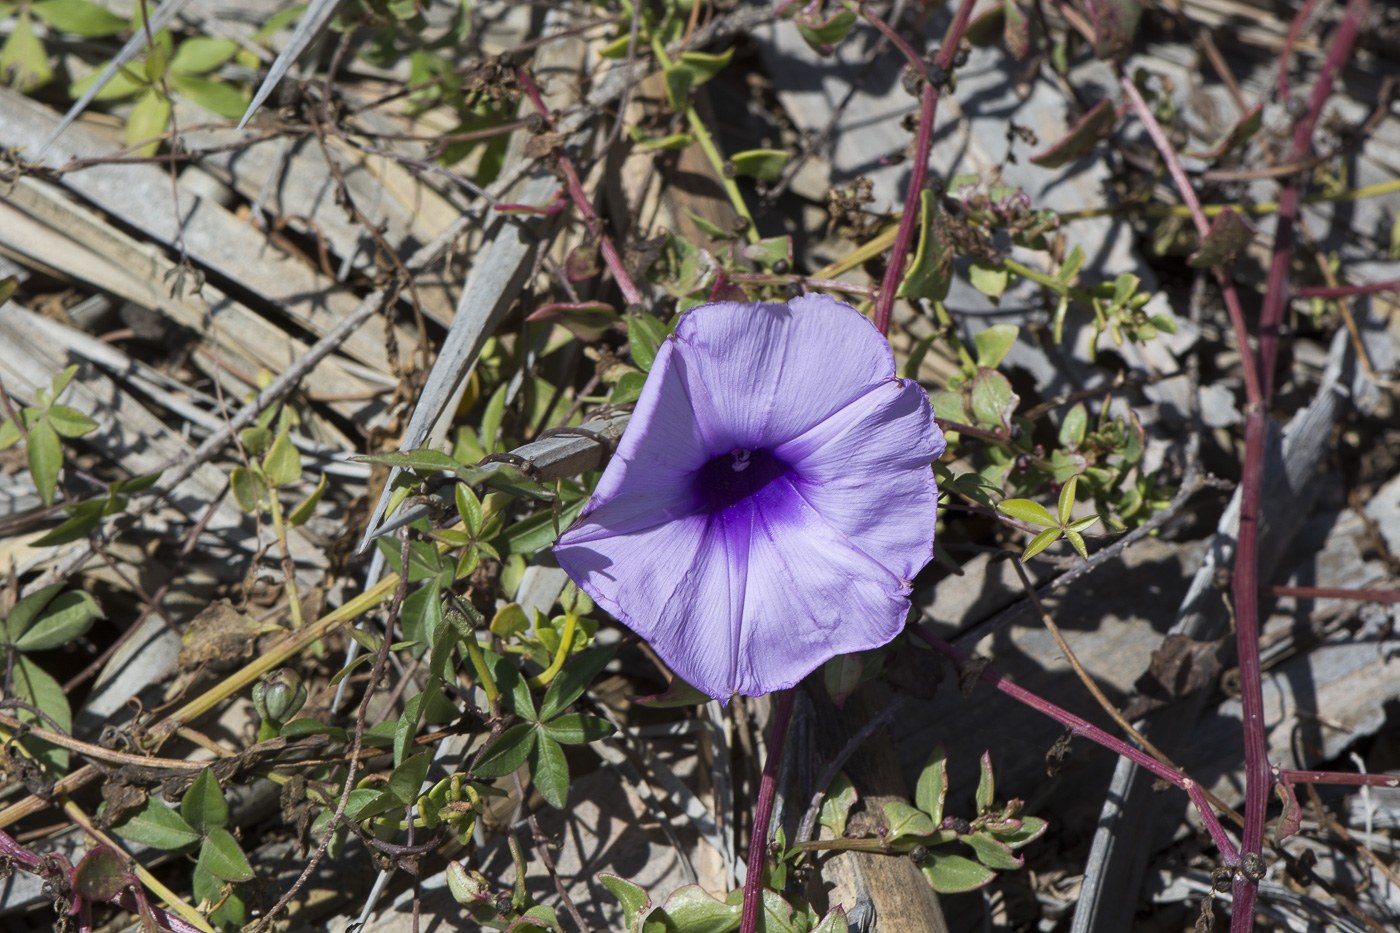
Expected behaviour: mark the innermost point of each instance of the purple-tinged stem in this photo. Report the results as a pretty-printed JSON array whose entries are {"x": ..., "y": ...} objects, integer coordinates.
[
  {"x": 1327, "y": 592},
  {"x": 928, "y": 108},
  {"x": 580, "y": 199},
  {"x": 763, "y": 812},
  {"x": 1347, "y": 291},
  {"x": 1276, "y": 294},
  {"x": 1337, "y": 777},
  {"x": 895, "y": 38},
  {"x": 1089, "y": 731},
  {"x": 1258, "y": 778},
  {"x": 1252, "y": 390},
  {"x": 1286, "y": 52}
]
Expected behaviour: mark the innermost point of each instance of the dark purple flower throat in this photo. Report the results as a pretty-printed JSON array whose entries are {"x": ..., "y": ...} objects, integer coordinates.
[{"x": 733, "y": 477}]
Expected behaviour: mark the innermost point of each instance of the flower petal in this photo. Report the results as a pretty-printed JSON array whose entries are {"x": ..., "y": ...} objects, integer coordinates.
[
  {"x": 810, "y": 595},
  {"x": 647, "y": 481},
  {"x": 865, "y": 470},
  {"x": 761, "y": 374}
]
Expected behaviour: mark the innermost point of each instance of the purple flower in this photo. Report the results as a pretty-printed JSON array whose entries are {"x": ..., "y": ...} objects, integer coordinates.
[{"x": 771, "y": 500}]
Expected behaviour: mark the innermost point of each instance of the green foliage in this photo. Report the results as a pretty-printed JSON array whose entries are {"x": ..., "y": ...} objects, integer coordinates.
[
  {"x": 45, "y": 619},
  {"x": 43, "y": 425}
]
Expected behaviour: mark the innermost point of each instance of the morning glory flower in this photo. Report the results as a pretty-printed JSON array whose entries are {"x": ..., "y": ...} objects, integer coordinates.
[{"x": 771, "y": 500}]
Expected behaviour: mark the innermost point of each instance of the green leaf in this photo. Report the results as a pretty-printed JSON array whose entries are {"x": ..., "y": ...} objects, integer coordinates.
[
  {"x": 932, "y": 788},
  {"x": 634, "y": 899},
  {"x": 988, "y": 279},
  {"x": 1066, "y": 503},
  {"x": 993, "y": 402},
  {"x": 986, "y": 783},
  {"x": 24, "y": 62},
  {"x": 79, "y": 18},
  {"x": 305, "y": 726},
  {"x": 992, "y": 853},
  {"x": 38, "y": 688},
  {"x": 568, "y": 685},
  {"x": 537, "y": 531},
  {"x": 491, "y": 418},
  {"x": 124, "y": 83},
  {"x": 905, "y": 820},
  {"x": 577, "y": 729},
  {"x": 147, "y": 121},
  {"x": 1077, "y": 541},
  {"x": 704, "y": 65},
  {"x": 1072, "y": 429},
  {"x": 283, "y": 462},
  {"x": 222, "y": 858},
  {"x": 469, "y": 507},
  {"x": 677, "y": 84},
  {"x": 203, "y": 806},
  {"x": 952, "y": 874},
  {"x": 1082, "y": 523},
  {"x": 82, "y": 524},
  {"x": 644, "y": 335},
  {"x": 993, "y": 343},
  {"x": 9, "y": 432},
  {"x": 1039, "y": 543},
  {"x": 713, "y": 231},
  {"x": 1093, "y": 127},
  {"x": 932, "y": 270},
  {"x": 154, "y": 824},
  {"x": 406, "y": 780},
  {"x": 617, "y": 48},
  {"x": 840, "y": 796},
  {"x": 550, "y": 770},
  {"x": 255, "y": 440},
  {"x": 245, "y": 488},
  {"x": 508, "y": 752},
  {"x": 763, "y": 164},
  {"x": 69, "y": 422},
  {"x": 218, "y": 97},
  {"x": 822, "y": 33},
  {"x": 769, "y": 251},
  {"x": 307, "y": 507},
  {"x": 628, "y": 388},
  {"x": 693, "y": 910},
  {"x": 841, "y": 676},
  {"x": 67, "y": 618},
  {"x": 1026, "y": 510},
  {"x": 201, "y": 55},
  {"x": 1032, "y": 828},
  {"x": 45, "y": 459},
  {"x": 27, "y": 610}
]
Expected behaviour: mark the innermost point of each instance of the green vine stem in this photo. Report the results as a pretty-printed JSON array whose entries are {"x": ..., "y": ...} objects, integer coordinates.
[{"x": 707, "y": 143}]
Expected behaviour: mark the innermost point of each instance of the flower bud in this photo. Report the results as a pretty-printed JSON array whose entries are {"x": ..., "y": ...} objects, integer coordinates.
[{"x": 279, "y": 696}]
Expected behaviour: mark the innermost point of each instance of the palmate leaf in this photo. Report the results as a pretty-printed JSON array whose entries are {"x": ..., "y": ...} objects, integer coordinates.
[{"x": 550, "y": 770}]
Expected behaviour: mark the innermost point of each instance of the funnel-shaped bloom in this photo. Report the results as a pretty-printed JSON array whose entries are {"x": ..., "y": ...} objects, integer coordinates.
[{"x": 771, "y": 500}]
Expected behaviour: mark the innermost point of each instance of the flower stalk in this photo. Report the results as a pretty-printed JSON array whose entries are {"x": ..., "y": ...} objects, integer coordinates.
[{"x": 763, "y": 813}]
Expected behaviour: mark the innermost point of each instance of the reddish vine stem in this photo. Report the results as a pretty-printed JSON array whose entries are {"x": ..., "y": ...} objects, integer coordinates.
[
  {"x": 763, "y": 812},
  {"x": 1082, "y": 727},
  {"x": 1347, "y": 291},
  {"x": 1276, "y": 293},
  {"x": 1337, "y": 777},
  {"x": 1332, "y": 592},
  {"x": 576, "y": 194},
  {"x": 928, "y": 108}
]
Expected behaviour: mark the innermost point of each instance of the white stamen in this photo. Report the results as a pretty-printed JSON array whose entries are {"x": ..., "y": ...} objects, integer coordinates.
[{"x": 741, "y": 460}]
